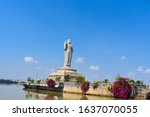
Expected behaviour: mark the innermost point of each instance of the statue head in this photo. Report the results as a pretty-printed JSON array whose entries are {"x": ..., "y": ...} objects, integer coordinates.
[{"x": 68, "y": 41}]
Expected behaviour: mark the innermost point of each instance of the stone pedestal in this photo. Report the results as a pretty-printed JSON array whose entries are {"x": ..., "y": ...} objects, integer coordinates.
[{"x": 63, "y": 72}]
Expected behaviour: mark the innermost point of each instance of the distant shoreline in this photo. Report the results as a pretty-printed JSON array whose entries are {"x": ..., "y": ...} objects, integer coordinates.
[{"x": 8, "y": 81}]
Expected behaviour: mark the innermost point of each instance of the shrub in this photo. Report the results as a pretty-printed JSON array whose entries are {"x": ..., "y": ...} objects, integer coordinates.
[
  {"x": 58, "y": 79},
  {"x": 95, "y": 84},
  {"x": 32, "y": 81},
  {"x": 80, "y": 79},
  {"x": 67, "y": 78},
  {"x": 51, "y": 83},
  {"x": 106, "y": 81},
  {"x": 121, "y": 88},
  {"x": 38, "y": 81},
  {"x": 29, "y": 79},
  {"x": 85, "y": 86}
]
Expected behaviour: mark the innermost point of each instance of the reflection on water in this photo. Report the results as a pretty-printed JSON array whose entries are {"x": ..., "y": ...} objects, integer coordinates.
[
  {"x": 16, "y": 92},
  {"x": 42, "y": 95},
  {"x": 70, "y": 96},
  {"x": 50, "y": 95}
]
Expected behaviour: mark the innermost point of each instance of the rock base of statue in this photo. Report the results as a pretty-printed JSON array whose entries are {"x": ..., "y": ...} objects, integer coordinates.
[{"x": 65, "y": 74}]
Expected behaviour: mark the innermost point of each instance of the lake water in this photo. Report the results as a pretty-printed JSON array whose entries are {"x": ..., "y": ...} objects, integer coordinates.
[{"x": 16, "y": 92}]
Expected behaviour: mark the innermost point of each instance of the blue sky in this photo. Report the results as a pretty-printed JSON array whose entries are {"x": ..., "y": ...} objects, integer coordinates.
[{"x": 109, "y": 37}]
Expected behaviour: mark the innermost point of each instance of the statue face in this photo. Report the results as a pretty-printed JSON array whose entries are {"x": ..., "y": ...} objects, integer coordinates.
[{"x": 68, "y": 41}]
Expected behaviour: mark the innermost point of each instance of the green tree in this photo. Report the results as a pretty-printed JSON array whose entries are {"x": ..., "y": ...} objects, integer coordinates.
[
  {"x": 67, "y": 78},
  {"x": 80, "y": 79},
  {"x": 118, "y": 77},
  {"x": 95, "y": 84},
  {"x": 106, "y": 81},
  {"x": 142, "y": 82},
  {"x": 131, "y": 81},
  {"x": 38, "y": 81},
  {"x": 139, "y": 82},
  {"x": 58, "y": 79},
  {"x": 32, "y": 81},
  {"x": 29, "y": 78}
]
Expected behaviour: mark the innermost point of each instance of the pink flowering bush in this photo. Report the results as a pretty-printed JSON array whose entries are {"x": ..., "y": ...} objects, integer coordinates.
[
  {"x": 51, "y": 83},
  {"x": 85, "y": 86},
  {"x": 121, "y": 88}
]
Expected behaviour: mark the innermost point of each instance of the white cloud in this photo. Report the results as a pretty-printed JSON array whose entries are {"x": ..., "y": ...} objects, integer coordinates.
[
  {"x": 80, "y": 60},
  {"x": 123, "y": 57},
  {"x": 94, "y": 68},
  {"x": 29, "y": 59},
  {"x": 147, "y": 71},
  {"x": 130, "y": 74},
  {"x": 142, "y": 70}
]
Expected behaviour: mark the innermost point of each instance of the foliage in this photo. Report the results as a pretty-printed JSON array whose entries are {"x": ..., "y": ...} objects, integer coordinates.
[
  {"x": 38, "y": 81},
  {"x": 138, "y": 82},
  {"x": 118, "y": 77},
  {"x": 105, "y": 81},
  {"x": 32, "y": 81},
  {"x": 80, "y": 79},
  {"x": 95, "y": 84},
  {"x": 29, "y": 79},
  {"x": 85, "y": 86},
  {"x": 121, "y": 88},
  {"x": 131, "y": 81},
  {"x": 51, "y": 83},
  {"x": 7, "y": 81},
  {"x": 67, "y": 78},
  {"x": 58, "y": 79}
]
